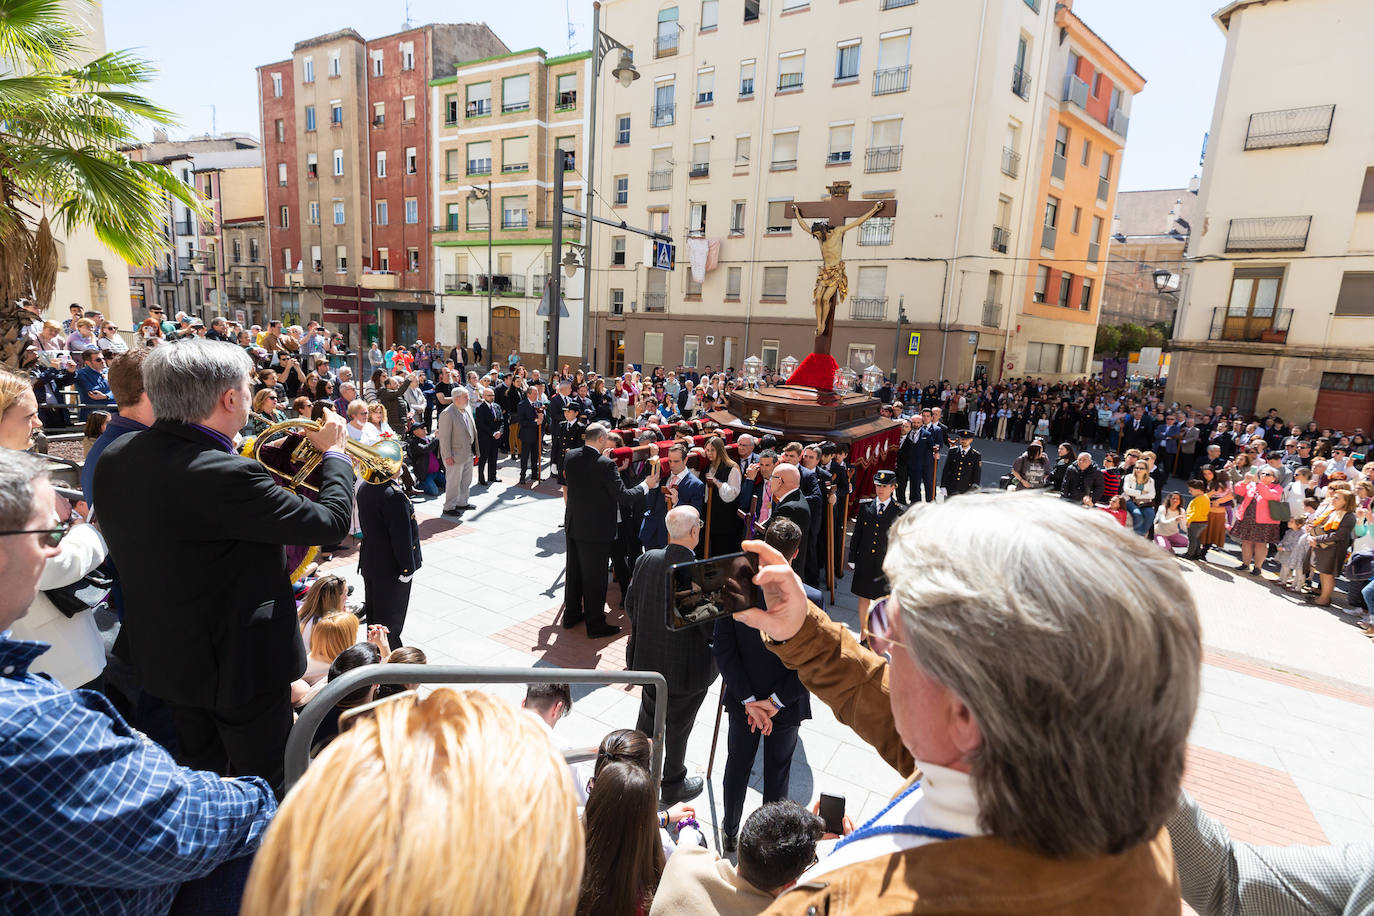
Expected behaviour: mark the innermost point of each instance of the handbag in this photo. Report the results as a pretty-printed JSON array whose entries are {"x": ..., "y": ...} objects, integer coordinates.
[
  {"x": 1279, "y": 510},
  {"x": 90, "y": 591},
  {"x": 1360, "y": 566}
]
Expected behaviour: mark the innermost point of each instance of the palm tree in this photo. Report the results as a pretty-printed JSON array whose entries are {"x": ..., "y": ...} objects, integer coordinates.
[{"x": 62, "y": 123}]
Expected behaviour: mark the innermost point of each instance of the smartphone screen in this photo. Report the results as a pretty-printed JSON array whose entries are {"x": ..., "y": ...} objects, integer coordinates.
[
  {"x": 702, "y": 591},
  {"x": 832, "y": 812}
]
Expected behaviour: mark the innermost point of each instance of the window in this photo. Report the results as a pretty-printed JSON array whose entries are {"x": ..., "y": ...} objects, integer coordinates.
[
  {"x": 338, "y": 162},
  {"x": 1085, "y": 299},
  {"x": 775, "y": 283},
  {"x": 252, "y": 251},
  {"x": 706, "y": 86},
  {"x": 312, "y": 166},
  {"x": 653, "y": 348},
  {"x": 381, "y": 163},
  {"x": 791, "y": 67},
  {"x": 384, "y": 260},
  {"x": 1356, "y": 297},
  {"x": 412, "y": 211},
  {"x": 479, "y": 158},
  {"x": 746, "y": 79},
  {"x": 794, "y": 4},
  {"x": 452, "y": 165},
  {"x": 622, "y": 190},
  {"x": 1043, "y": 357},
  {"x": 451, "y": 218},
  {"x": 276, "y": 85},
  {"x": 1087, "y": 151},
  {"x": 1042, "y": 282},
  {"x": 314, "y": 213},
  {"x": 566, "y": 145},
  {"x": 785, "y": 149},
  {"x": 412, "y": 259},
  {"x": 741, "y": 152},
  {"x": 515, "y": 93},
  {"x": 701, "y": 159},
  {"x": 618, "y": 251},
  {"x": 691, "y": 346},
  {"x": 238, "y": 251},
  {"x": 284, "y": 217},
  {"x": 316, "y": 259},
  {"x": 665, "y": 95},
  {"x": 341, "y": 258},
  {"x": 847, "y": 60},
  {"x": 667, "y": 41},
  {"x": 841, "y": 143},
  {"x": 479, "y": 100},
  {"x": 310, "y": 117},
  {"x": 408, "y": 108},
  {"x": 1059, "y": 165},
  {"x": 710, "y": 14},
  {"x": 411, "y": 161},
  {"x": 1077, "y": 216},
  {"x": 1104, "y": 177},
  {"x": 334, "y": 67},
  {"x": 751, "y": 10},
  {"x": 737, "y": 218},
  {"x": 622, "y": 130},
  {"x": 338, "y": 213},
  {"x": 286, "y": 263},
  {"x": 1051, "y": 229},
  {"x": 450, "y": 109},
  {"x": 894, "y": 50},
  {"x": 336, "y": 112},
  {"x": 1238, "y": 387},
  {"x": 1254, "y": 292},
  {"x": 1078, "y": 360},
  {"x": 1065, "y": 289},
  {"x": 308, "y": 70},
  {"x": 377, "y": 67},
  {"x": 1095, "y": 244},
  {"x": 281, "y": 174},
  {"x": 479, "y": 217},
  {"x": 1020, "y": 73},
  {"x": 777, "y": 216},
  {"x": 382, "y": 214},
  {"x": 515, "y": 154},
  {"x": 617, "y": 302},
  {"x": 696, "y": 220},
  {"x": 281, "y": 130},
  {"x": 513, "y": 214},
  {"x": 407, "y": 55},
  {"x": 734, "y": 279}
]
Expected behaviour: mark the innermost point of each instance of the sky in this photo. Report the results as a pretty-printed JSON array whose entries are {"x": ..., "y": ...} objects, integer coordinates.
[{"x": 208, "y": 58}]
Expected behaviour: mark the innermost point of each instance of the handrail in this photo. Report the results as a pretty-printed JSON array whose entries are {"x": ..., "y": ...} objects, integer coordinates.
[{"x": 302, "y": 736}]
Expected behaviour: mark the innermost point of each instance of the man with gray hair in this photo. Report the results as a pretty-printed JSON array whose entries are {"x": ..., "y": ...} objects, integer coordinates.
[
  {"x": 199, "y": 534},
  {"x": 1047, "y": 725},
  {"x": 457, "y": 434}
]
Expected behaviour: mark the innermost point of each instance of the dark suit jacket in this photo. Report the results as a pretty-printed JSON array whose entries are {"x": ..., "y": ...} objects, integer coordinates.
[
  {"x": 794, "y": 507},
  {"x": 962, "y": 472},
  {"x": 198, "y": 535},
  {"x": 595, "y": 489},
  {"x": 749, "y": 669},
  {"x": 683, "y": 657},
  {"x": 391, "y": 539},
  {"x": 488, "y": 418},
  {"x": 526, "y": 415},
  {"x": 653, "y": 533}
]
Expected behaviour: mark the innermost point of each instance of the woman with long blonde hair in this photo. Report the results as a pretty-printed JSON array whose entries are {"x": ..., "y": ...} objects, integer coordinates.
[
  {"x": 458, "y": 803},
  {"x": 723, "y": 480}
]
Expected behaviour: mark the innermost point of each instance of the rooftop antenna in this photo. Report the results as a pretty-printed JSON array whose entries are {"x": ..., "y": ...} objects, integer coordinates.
[
  {"x": 407, "y": 25},
  {"x": 214, "y": 131}
]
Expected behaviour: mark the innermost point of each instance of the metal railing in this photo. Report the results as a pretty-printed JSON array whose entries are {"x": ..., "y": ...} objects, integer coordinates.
[
  {"x": 1268, "y": 233},
  {"x": 507, "y": 107},
  {"x": 514, "y": 167},
  {"x": 894, "y": 4},
  {"x": 868, "y": 308},
  {"x": 877, "y": 231},
  {"x": 1011, "y": 161},
  {"x": 245, "y": 293},
  {"x": 789, "y": 81},
  {"x": 883, "y": 159},
  {"x": 1020, "y": 82},
  {"x": 1270, "y": 327},
  {"x": 662, "y": 115},
  {"x": 302, "y": 737},
  {"x": 479, "y": 225},
  {"x": 566, "y": 101},
  {"x": 699, "y": 170},
  {"x": 746, "y": 88},
  {"x": 992, "y": 314},
  {"x": 162, "y": 275},
  {"x": 1059, "y": 167},
  {"x": 478, "y": 108},
  {"x": 185, "y": 227},
  {"x": 655, "y": 302},
  {"x": 1076, "y": 91},
  {"x": 452, "y": 225},
  {"x": 665, "y": 45},
  {"x": 782, "y": 165},
  {"x": 479, "y": 166},
  {"x": 706, "y": 98},
  {"x": 1119, "y": 122},
  {"x": 1290, "y": 127},
  {"x": 458, "y": 283},
  {"x": 660, "y": 179},
  {"x": 836, "y": 157},
  {"x": 515, "y": 222},
  {"x": 892, "y": 79},
  {"x": 1001, "y": 238}
]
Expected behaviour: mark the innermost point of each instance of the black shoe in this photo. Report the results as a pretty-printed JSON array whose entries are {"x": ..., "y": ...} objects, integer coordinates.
[
  {"x": 466, "y": 507},
  {"x": 570, "y": 622},
  {"x": 603, "y": 632},
  {"x": 521, "y": 483},
  {"x": 687, "y": 790},
  {"x": 731, "y": 843},
  {"x": 453, "y": 513}
]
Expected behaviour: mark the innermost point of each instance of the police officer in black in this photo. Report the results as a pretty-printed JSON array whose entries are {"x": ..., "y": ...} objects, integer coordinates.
[
  {"x": 567, "y": 436},
  {"x": 963, "y": 468},
  {"x": 389, "y": 556},
  {"x": 868, "y": 546}
]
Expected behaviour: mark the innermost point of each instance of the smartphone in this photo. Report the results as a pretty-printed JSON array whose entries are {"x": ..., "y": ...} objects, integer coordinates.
[
  {"x": 832, "y": 812},
  {"x": 702, "y": 591}
]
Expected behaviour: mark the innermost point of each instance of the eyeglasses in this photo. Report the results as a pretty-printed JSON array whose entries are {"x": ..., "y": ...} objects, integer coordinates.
[
  {"x": 52, "y": 536},
  {"x": 879, "y": 629}
]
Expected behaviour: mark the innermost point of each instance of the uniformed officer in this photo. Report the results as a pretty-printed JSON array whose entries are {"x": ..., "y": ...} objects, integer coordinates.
[
  {"x": 963, "y": 468},
  {"x": 390, "y": 554},
  {"x": 868, "y": 546},
  {"x": 567, "y": 436}
]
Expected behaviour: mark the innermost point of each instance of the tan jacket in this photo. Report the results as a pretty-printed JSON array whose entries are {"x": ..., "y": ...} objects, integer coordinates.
[
  {"x": 696, "y": 883},
  {"x": 975, "y": 875}
]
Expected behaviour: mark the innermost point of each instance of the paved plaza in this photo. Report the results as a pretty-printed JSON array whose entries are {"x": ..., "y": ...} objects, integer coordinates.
[{"x": 1284, "y": 729}]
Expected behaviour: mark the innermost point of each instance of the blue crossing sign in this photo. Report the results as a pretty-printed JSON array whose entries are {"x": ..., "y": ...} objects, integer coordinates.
[{"x": 664, "y": 254}]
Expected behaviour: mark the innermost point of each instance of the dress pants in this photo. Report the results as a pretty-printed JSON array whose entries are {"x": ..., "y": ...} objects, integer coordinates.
[
  {"x": 488, "y": 453},
  {"x": 584, "y": 591},
  {"x": 385, "y": 601},
  {"x": 458, "y": 484},
  {"x": 244, "y": 740},
  {"x": 529, "y": 455},
  {"x": 743, "y": 745},
  {"x": 682, "y": 712},
  {"x": 921, "y": 476}
]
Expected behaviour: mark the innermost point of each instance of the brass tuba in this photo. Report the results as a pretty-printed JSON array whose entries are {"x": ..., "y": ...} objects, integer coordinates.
[{"x": 375, "y": 464}]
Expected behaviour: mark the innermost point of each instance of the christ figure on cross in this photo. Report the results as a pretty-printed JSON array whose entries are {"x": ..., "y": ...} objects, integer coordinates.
[{"x": 832, "y": 286}]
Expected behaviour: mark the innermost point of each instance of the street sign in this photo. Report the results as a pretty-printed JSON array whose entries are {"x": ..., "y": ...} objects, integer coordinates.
[
  {"x": 543, "y": 310},
  {"x": 663, "y": 254},
  {"x": 913, "y": 347}
]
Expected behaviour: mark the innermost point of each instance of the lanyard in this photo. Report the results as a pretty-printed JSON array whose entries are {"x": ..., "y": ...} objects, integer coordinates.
[{"x": 873, "y": 828}]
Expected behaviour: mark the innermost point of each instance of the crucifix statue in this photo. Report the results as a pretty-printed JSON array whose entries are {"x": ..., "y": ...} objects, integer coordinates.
[{"x": 828, "y": 227}]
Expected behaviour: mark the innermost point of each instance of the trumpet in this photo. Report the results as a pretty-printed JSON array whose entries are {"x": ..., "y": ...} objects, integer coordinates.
[{"x": 375, "y": 464}]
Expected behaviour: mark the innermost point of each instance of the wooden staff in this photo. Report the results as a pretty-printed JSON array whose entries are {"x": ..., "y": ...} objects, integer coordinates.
[
  {"x": 709, "y": 501},
  {"x": 830, "y": 547},
  {"x": 715, "y": 732},
  {"x": 844, "y": 520}
]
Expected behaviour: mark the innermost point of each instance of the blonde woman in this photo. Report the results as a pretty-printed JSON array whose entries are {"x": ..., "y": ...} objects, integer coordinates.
[
  {"x": 1331, "y": 531},
  {"x": 412, "y": 787},
  {"x": 18, "y": 411},
  {"x": 265, "y": 406},
  {"x": 328, "y": 595},
  {"x": 329, "y": 636}
]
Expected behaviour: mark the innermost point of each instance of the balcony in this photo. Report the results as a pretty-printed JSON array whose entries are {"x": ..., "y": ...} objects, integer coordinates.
[
  {"x": 479, "y": 166},
  {"x": 1268, "y": 233},
  {"x": 451, "y": 225},
  {"x": 789, "y": 81},
  {"x": 499, "y": 284},
  {"x": 162, "y": 275},
  {"x": 1011, "y": 162},
  {"x": 567, "y": 101},
  {"x": 883, "y": 159},
  {"x": 1094, "y": 252},
  {"x": 1059, "y": 167},
  {"x": 666, "y": 45},
  {"x": 507, "y": 167},
  {"x": 877, "y": 231},
  {"x": 992, "y": 314},
  {"x": 458, "y": 283},
  {"x": 699, "y": 170},
  {"x": 782, "y": 165},
  {"x": 1119, "y": 122},
  {"x": 379, "y": 279},
  {"x": 895, "y": 4},
  {"x": 660, "y": 179},
  {"x": 1001, "y": 239},
  {"x": 1076, "y": 91},
  {"x": 1290, "y": 127},
  {"x": 481, "y": 224},
  {"x": 839, "y": 157},
  {"x": 662, "y": 115},
  {"x": 1020, "y": 82},
  {"x": 655, "y": 302},
  {"x": 892, "y": 79},
  {"x": 867, "y": 308},
  {"x": 518, "y": 105},
  {"x": 185, "y": 227},
  {"x": 1271, "y": 327},
  {"x": 537, "y": 284},
  {"x": 479, "y": 108},
  {"x": 245, "y": 293},
  {"x": 515, "y": 220},
  {"x": 1104, "y": 187}
]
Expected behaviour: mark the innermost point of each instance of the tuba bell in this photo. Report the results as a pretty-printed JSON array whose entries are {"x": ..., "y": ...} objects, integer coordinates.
[{"x": 292, "y": 459}]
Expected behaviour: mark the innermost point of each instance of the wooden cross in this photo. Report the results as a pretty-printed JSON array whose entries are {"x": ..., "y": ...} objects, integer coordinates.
[{"x": 837, "y": 207}]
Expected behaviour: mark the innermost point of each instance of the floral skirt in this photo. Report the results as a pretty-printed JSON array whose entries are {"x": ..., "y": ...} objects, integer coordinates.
[{"x": 1248, "y": 529}]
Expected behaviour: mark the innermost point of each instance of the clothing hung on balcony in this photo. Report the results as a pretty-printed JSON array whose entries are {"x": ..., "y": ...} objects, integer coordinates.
[{"x": 704, "y": 256}]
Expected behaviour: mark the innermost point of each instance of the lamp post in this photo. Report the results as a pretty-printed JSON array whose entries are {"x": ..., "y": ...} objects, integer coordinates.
[
  {"x": 897, "y": 341},
  {"x": 485, "y": 194},
  {"x": 626, "y": 73}
]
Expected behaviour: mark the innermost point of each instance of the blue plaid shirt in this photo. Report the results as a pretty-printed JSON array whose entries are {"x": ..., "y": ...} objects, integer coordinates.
[{"x": 97, "y": 818}]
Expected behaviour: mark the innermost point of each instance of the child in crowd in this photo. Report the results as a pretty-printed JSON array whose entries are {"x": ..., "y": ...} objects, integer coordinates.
[
  {"x": 95, "y": 426},
  {"x": 1295, "y": 555},
  {"x": 1199, "y": 506},
  {"x": 1116, "y": 508}
]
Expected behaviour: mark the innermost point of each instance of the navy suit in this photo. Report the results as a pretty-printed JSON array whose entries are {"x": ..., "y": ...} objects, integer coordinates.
[
  {"x": 751, "y": 672},
  {"x": 653, "y": 531},
  {"x": 489, "y": 418},
  {"x": 921, "y": 463},
  {"x": 529, "y": 416}
]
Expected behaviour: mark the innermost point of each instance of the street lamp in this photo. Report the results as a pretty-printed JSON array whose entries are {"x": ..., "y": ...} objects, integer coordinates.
[
  {"x": 480, "y": 193},
  {"x": 570, "y": 262},
  {"x": 1162, "y": 278},
  {"x": 626, "y": 73}
]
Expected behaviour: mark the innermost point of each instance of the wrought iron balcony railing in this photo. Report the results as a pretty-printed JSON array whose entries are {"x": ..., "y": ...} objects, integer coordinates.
[
  {"x": 891, "y": 79},
  {"x": 835, "y": 157},
  {"x": 655, "y": 302},
  {"x": 662, "y": 115},
  {"x": 1290, "y": 127},
  {"x": 660, "y": 179},
  {"x": 894, "y": 4},
  {"x": 1268, "y": 233},
  {"x": 883, "y": 159},
  {"x": 1001, "y": 239},
  {"x": 665, "y": 45},
  {"x": 1266, "y": 327},
  {"x": 877, "y": 231},
  {"x": 1020, "y": 82},
  {"x": 1011, "y": 161},
  {"x": 868, "y": 308},
  {"x": 699, "y": 170}
]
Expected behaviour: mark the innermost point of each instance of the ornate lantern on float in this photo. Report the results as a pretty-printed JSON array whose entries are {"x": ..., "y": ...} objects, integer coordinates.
[
  {"x": 788, "y": 366},
  {"x": 844, "y": 379},
  {"x": 753, "y": 369},
  {"x": 873, "y": 378}
]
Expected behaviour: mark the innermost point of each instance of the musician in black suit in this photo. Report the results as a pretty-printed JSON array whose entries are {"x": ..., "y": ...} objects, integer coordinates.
[
  {"x": 199, "y": 536},
  {"x": 963, "y": 469},
  {"x": 683, "y": 657},
  {"x": 763, "y": 699},
  {"x": 595, "y": 494},
  {"x": 490, "y": 420},
  {"x": 868, "y": 544},
  {"x": 389, "y": 556},
  {"x": 788, "y": 503}
]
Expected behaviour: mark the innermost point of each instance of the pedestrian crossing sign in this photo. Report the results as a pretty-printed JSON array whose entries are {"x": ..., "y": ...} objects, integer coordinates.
[{"x": 913, "y": 347}]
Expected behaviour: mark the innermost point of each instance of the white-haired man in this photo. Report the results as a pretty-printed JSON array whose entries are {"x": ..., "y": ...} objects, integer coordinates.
[
  {"x": 457, "y": 435},
  {"x": 1047, "y": 726}
]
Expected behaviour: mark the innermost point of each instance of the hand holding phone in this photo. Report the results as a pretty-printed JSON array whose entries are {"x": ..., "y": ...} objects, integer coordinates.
[{"x": 831, "y": 809}]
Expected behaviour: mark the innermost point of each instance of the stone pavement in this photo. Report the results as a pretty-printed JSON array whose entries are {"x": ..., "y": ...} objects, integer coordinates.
[{"x": 1282, "y": 740}]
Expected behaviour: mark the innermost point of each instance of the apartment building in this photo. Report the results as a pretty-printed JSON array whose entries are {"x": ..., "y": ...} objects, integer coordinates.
[
  {"x": 496, "y": 125},
  {"x": 346, "y": 150},
  {"x": 1149, "y": 232},
  {"x": 744, "y": 107},
  {"x": 1278, "y": 300}
]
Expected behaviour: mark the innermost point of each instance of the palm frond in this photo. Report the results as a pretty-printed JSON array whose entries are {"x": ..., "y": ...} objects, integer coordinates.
[
  {"x": 36, "y": 34},
  {"x": 27, "y": 90}
]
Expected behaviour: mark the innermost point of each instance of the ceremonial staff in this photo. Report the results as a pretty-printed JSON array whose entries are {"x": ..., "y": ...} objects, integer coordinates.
[
  {"x": 844, "y": 518},
  {"x": 830, "y": 544},
  {"x": 709, "y": 501}
]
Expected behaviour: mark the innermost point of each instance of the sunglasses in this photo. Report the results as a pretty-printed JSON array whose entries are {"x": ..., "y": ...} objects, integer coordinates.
[
  {"x": 879, "y": 628},
  {"x": 51, "y": 536}
]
